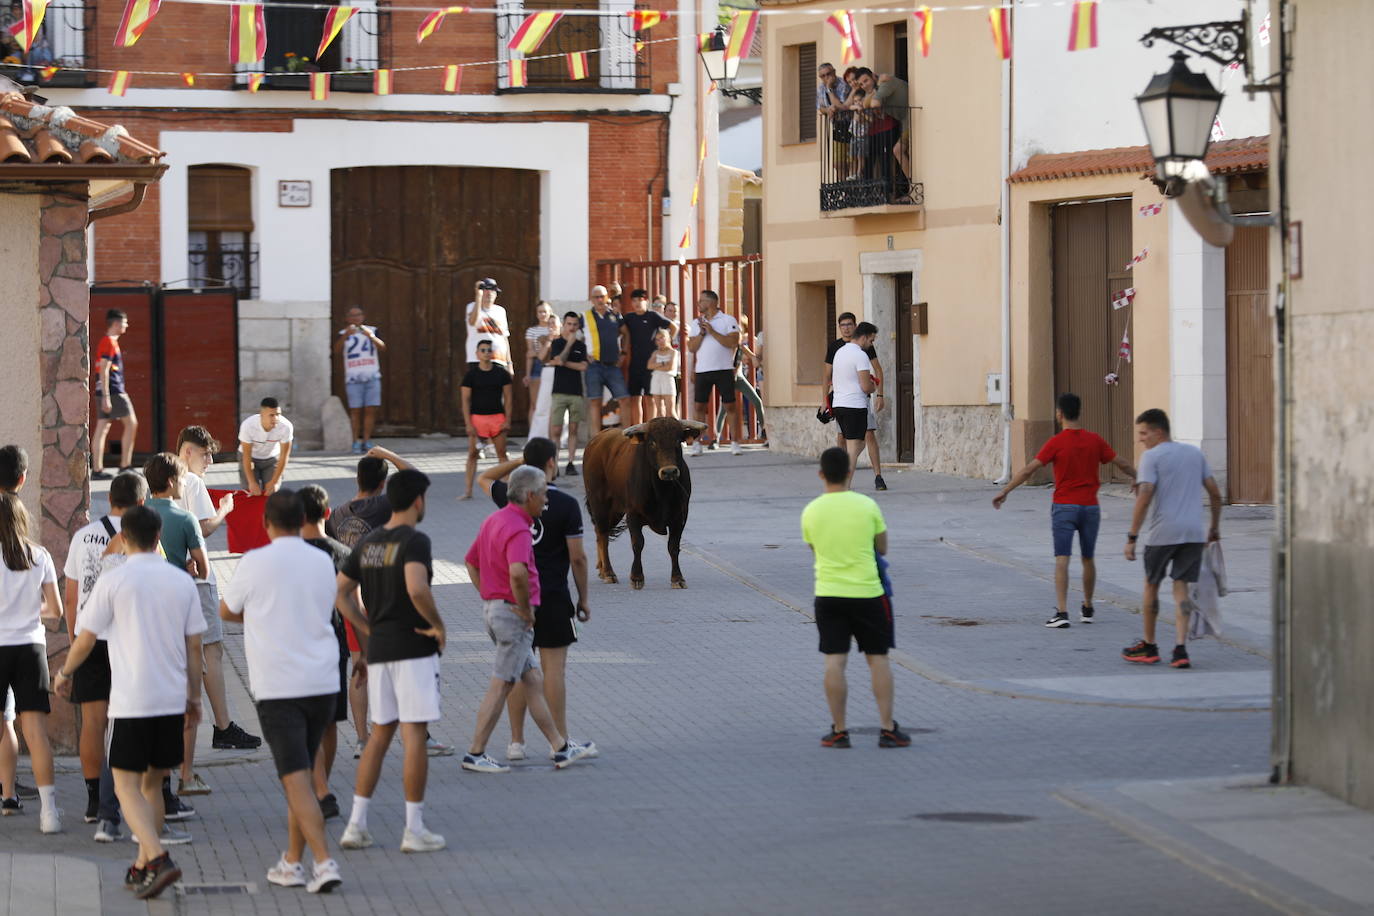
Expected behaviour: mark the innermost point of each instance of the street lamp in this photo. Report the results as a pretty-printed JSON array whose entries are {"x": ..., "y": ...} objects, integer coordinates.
[
  {"x": 1178, "y": 109},
  {"x": 722, "y": 70}
]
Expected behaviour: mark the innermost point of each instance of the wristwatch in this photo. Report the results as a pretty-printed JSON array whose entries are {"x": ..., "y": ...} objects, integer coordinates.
[{"x": 1132, "y": 538}]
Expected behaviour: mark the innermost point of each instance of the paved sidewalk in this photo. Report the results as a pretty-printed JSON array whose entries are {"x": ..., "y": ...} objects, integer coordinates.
[{"x": 712, "y": 795}]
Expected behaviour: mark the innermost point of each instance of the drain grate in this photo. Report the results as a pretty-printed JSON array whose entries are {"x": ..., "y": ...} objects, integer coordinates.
[
  {"x": 972, "y": 817},
  {"x": 218, "y": 890}
]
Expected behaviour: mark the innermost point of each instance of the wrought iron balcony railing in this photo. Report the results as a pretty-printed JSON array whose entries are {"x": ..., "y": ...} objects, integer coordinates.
[
  {"x": 866, "y": 158},
  {"x": 292, "y": 36},
  {"x": 608, "y": 38},
  {"x": 221, "y": 264},
  {"x": 61, "y": 43}
]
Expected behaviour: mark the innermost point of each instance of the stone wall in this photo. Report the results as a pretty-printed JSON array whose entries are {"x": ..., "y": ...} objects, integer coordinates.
[
  {"x": 736, "y": 186},
  {"x": 962, "y": 440},
  {"x": 794, "y": 430},
  {"x": 284, "y": 353}
]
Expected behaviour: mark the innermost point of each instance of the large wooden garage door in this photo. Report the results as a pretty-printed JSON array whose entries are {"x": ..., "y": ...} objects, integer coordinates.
[
  {"x": 409, "y": 244},
  {"x": 1249, "y": 369},
  {"x": 1092, "y": 243}
]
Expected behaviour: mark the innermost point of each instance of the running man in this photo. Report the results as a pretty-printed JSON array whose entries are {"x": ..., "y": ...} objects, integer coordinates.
[
  {"x": 1076, "y": 455},
  {"x": 486, "y": 398},
  {"x": 360, "y": 348},
  {"x": 113, "y": 399},
  {"x": 264, "y": 448},
  {"x": 846, "y": 532}
]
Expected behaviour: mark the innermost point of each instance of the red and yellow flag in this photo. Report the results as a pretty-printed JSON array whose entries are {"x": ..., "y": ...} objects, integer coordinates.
[
  {"x": 30, "y": 21},
  {"x": 319, "y": 87},
  {"x": 453, "y": 78},
  {"x": 851, "y": 48},
  {"x": 925, "y": 29},
  {"x": 189, "y": 79},
  {"x": 137, "y": 16},
  {"x": 532, "y": 31},
  {"x": 119, "y": 83},
  {"x": 1000, "y": 20},
  {"x": 333, "y": 23},
  {"x": 254, "y": 82},
  {"x": 1083, "y": 26},
  {"x": 704, "y": 41},
  {"x": 577, "y": 65},
  {"x": 518, "y": 77},
  {"x": 381, "y": 82},
  {"x": 644, "y": 19},
  {"x": 49, "y": 71},
  {"x": 430, "y": 24},
  {"x": 639, "y": 46},
  {"x": 696, "y": 191},
  {"x": 742, "y": 27},
  {"x": 247, "y": 33},
  {"x": 686, "y": 239}
]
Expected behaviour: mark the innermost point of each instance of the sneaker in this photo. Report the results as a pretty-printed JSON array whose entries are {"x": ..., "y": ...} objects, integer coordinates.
[
  {"x": 355, "y": 837},
  {"x": 133, "y": 877},
  {"x": 592, "y": 751},
  {"x": 570, "y": 470},
  {"x": 570, "y": 754},
  {"x": 23, "y": 792},
  {"x": 1146, "y": 653},
  {"x": 233, "y": 738},
  {"x": 325, "y": 877},
  {"x": 50, "y": 821},
  {"x": 735, "y": 449},
  {"x": 1085, "y": 613},
  {"x": 878, "y": 482},
  {"x": 1058, "y": 621},
  {"x": 1180, "y": 659},
  {"x": 836, "y": 739},
  {"x": 177, "y": 810},
  {"x": 101, "y": 475},
  {"x": 10, "y": 806},
  {"x": 696, "y": 448},
  {"x": 483, "y": 763},
  {"x": 329, "y": 807},
  {"x": 357, "y": 450},
  {"x": 158, "y": 875},
  {"x": 515, "y": 751},
  {"x": 424, "y": 841},
  {"x": 92, "y": 814},
  {"x": 108, "y": 832},
  {"x": 287, "y": 874},
  {"x": 358, "y": 751},
  {"x": 193, "y": 786},
  {"x": 893, "y": 737},
  {"x": 438, "y": 749},
  {"x": 170, "y": 836}
]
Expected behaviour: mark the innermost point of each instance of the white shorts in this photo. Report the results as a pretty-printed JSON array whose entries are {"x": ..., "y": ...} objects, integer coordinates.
[{"x": 405, "y": 691}]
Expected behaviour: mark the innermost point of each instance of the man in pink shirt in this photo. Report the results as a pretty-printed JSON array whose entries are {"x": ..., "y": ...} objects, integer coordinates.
[{"x": 501, "y": 566}]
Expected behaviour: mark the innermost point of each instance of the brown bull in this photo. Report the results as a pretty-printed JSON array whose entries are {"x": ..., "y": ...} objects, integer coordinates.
[{"x": 638, "y": 477}]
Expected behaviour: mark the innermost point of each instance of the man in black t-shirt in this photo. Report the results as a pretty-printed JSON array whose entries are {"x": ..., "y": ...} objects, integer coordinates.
[
  {"x": 643, "y": 324},
  {"x": 846, "y": 324},
  {"x": 568, "y": 356},
  {"x": 393, "y": 566},
  {"x": 486, "y": 392},
  {"x": 557, "y": 535}
]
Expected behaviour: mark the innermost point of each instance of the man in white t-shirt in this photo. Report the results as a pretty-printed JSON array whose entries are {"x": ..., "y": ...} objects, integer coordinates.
[
  {"x": 852, "y": 382},
  {"x": 283, "y": 594},
  {"x": 487, "y": 321},
  {"x": 148, "y": 612},
  {"x": 360, "y": 348},
  {"x": 714, "y": 338},
  {"x": 264, "y": 448}
]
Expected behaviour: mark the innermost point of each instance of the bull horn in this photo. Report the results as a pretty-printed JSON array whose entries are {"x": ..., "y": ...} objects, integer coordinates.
[
  {"x": 695, "y": 425},
  {"x": 638, "y": 428}
]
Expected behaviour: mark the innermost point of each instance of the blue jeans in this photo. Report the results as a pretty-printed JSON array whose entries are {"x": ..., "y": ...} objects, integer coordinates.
[
  {"x": 1065, "y": 520},
  {"x": 605, "y": 375}
]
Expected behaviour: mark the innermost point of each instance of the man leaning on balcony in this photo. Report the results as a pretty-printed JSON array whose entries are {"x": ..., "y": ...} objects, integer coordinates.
[
  {"x": 891, "y": 94},
  {"x": 831, "y": 93}
]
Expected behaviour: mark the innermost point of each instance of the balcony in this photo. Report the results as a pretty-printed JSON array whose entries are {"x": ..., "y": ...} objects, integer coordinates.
[
  {"x": 61, "y": 43},
  {"x": 604, "y": 32},
  {"x": 866, "y": 163},
  {"x": 361, "y": 47}
]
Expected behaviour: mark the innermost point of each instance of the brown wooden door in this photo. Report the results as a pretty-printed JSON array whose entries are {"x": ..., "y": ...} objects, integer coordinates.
[
  {"x": 1249, "y": 369},
  {"x": 905, "y": 389},
  {"x": 409, "y": 245},
  {"x": 1092, "y": 243}
]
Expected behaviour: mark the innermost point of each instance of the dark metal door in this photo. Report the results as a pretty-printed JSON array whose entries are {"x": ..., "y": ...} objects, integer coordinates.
[
  {"x": 1249, "y": 369},
  {"x": 905, "y": 389},
  {"x": 200, "y": 365}
]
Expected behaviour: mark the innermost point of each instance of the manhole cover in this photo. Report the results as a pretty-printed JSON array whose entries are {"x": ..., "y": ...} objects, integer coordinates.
[
  {"x": 972, "y": 817},
  {"x": 212, "y": 890}
]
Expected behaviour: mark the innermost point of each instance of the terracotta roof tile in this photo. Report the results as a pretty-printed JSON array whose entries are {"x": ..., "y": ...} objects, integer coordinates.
[
  {"x": 34, "y": 133},
  {"x": 1250, "y": 154}
]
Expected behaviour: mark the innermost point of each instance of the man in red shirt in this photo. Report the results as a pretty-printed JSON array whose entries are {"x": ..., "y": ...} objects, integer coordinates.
[
  {"x": 1075, "y": 453},
  {"x": 112, "y": 401}
]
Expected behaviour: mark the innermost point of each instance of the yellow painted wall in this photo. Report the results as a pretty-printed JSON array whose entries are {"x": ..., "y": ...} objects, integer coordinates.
[{"x": 20, "y": 421}]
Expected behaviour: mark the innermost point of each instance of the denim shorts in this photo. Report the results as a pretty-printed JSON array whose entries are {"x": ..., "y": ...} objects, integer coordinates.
[
  {"x": 514, "y": 644},
  {"x": 1065, "y": 520},
  {"x": 367, "y": 393},
  {"x": 605, "y": 375}
]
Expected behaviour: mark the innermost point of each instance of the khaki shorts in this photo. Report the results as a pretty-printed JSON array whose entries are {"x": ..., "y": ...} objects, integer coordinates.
[
  {"x": 514, "y": 643},
  {"x": 572, "y": 404}
]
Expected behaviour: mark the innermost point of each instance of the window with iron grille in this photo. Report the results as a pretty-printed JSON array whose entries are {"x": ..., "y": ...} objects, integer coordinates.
[
  {"x": 293, "y": 35},
  {"x": 60, "y": 43},
  {"x": 220, "y": 250},
  {"x": 601, "y": 29}
]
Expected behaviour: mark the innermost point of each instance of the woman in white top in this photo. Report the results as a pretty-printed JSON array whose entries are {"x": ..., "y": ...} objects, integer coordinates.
[
  {"x": 544, "y": 329},
  {"x": 28, "y": 593},
  {"x": 663, "y": 364}
]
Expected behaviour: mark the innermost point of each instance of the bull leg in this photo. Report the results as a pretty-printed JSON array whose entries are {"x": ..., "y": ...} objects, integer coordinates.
[
  {"x": 637, "y": 568},
  {"x": 674, "y": 547},
  {"x": 603, "y": 556}
]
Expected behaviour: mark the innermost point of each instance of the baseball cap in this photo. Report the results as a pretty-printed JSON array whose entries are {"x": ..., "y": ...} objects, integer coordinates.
[{"x": 488, "y": 283}]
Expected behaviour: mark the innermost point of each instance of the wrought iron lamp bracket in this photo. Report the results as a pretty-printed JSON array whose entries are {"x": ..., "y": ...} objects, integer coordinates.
[
  {"x": 753, "y": 93},
  {"x": 1223, "y": 42}
]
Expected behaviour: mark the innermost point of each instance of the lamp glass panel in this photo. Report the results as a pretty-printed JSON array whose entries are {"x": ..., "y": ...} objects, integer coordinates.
[
  {"x": 714, "y": 61},
  {"x": 1154, "y": 114},
  {"x": 1192, "y": 119}
]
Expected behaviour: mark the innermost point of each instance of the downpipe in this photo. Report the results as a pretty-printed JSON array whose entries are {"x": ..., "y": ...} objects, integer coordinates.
[{"x": 1004, "y": 224}]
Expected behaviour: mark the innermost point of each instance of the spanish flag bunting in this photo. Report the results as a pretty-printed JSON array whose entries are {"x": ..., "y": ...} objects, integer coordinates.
[
  {"x": 49, "y": 71},
  {"x": 711, "y": 88},
  {"x": 381, "y": 82},
  {"x": 1083, "y": 26},
  {"x": 644, "y": 19},
  {"x": 701, "y": 154},
  {"x": 742, "y": 27},
  {"x": 319, "y": 87},
  {"x": 254, "y": 82},
  {"x": 517, "y": 74},
  {"x": 851, "y": 49},
  {"x": 453, "y": 78},
  {"x": 686, "y": 239},
  {"x": 333, "y": 23},
  {"x": 639, "y": 46},
  {"x": 577, "y": 65},
  {"x": 189, "y": 79},
  {"x": 119, "y": 83},
  {"x": 696, "y": 191},
  {"x": 531, "y": 33},
  {"x": 925, "y": 28},
  {"x": 1000, "y": 20},
  {"x": 430, "y": 24},
  {"x": 704, "y": 41},
  {"x": 30, "y": 21},
  {"x": 247, "y": 33},
  {"x": 137, "y": 16}
]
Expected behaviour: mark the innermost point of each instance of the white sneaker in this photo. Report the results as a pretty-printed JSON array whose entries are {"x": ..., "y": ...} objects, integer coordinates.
[
  {"x": 326, "y": 877},
  {"x": 424, "y": 841},
  {"x": 515, "y": 751},
  {"x": 735, "y": 449},
  {"x": 696, "y": 448},
  {"x": 50, "y": 821},
  {"x": 483, "y": 763},
  {"x": 287, "y": 874},
  {"x": 170, "y": 836},
  {"x": 108, "y": 832},
  {"x": 435, "y": 748},
  {"x": 570, "y": 755},
  {"x": 589, "y": 745},
  {"x": 355, "y": 837}
]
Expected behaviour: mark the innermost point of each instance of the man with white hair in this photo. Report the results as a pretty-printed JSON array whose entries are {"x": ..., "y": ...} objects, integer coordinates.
[
  {"x": 501, "y": 566},
  {"x": 608, "y": 340}
]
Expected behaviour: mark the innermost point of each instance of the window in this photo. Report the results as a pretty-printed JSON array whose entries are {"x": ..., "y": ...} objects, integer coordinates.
[
  {"x": 220, "y": 250},
  {"x": 607, "y": 38},
  {"x": 890, "y": 53},
  {"x": 61, "y": 42},
  {"x": 294, "y": 34},
  {"x": 806, "y": 92},
  {"x": 815, "y": 326}
]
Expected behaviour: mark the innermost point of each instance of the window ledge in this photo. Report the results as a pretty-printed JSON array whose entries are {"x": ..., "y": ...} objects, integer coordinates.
[{"x": 880, "y": 210}]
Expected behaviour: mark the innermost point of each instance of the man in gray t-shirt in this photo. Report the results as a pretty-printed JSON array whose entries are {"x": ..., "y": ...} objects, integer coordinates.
[{"x": 1168, "y": 503}]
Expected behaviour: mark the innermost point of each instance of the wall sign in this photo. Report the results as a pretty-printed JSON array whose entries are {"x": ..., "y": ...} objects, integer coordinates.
[{"x": 293, "y": 193}]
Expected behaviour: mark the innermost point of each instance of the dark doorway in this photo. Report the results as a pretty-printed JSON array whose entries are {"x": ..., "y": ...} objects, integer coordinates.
[
  {"x": 409, "y": 245},
  {"x": 905, "y": 389}
]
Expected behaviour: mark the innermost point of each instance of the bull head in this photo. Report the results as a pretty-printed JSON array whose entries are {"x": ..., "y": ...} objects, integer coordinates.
[{"x": 663, "y": 437}]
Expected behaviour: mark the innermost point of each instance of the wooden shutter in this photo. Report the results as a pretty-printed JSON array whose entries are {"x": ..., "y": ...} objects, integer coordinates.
[
  {"x": 806, "y": 92},
  {"x": 220, "y": 199}
]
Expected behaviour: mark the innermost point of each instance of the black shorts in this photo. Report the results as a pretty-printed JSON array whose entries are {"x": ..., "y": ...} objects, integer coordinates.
[
  {"x": 1182, "y": 561},
  {"x": 341, "y": 709},
  {"x": 120, "y": 407},
  {"x": 639, "y": 380},
  {"x": 293, "y": 728},
  {"x": 149, "y": 743},
  {"x": 91, "y": 682},
  {"x": 24, "y": 669},
  {"x": 868, "y": 621},
  {"x": 723, "y": 380},
  {"x": 553, "y": 622},
  {"x": 853, "y": 421}
]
